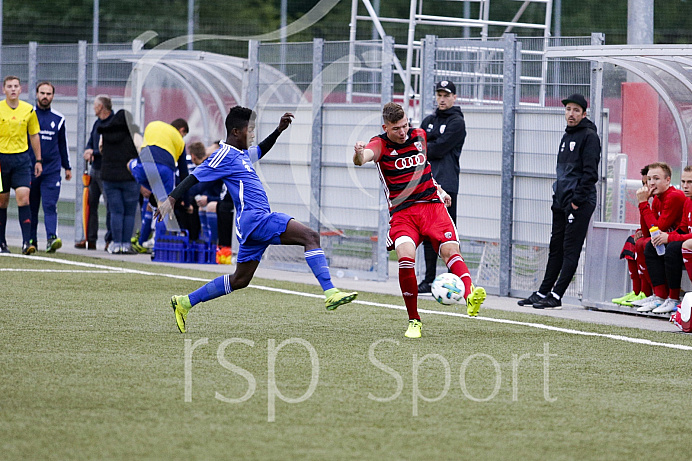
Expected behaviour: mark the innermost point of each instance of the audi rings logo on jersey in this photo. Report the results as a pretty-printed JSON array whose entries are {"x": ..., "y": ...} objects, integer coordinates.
[{"x": 403, "y": 163}]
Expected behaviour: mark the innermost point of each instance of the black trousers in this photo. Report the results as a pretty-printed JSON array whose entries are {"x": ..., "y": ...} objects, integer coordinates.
[
  {"x": 430, "y": 255},
  {"x": 566, "y": 240},
  {"x": 224, "y": 215},
  {"x": 666, "y": 269}
]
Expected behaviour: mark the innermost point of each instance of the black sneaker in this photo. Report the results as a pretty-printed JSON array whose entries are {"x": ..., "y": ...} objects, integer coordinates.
[
  {"x": 534, "y": 298},
  {"x": 424, "y": 287},
  {"x": 28, "y": 248},
  {"x": 549, "y": 302},
  {"x": 3, "y": 248}
]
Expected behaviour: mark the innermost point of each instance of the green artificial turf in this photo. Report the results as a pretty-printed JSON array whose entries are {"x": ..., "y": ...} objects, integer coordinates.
[{"x": 94, "y": 368}]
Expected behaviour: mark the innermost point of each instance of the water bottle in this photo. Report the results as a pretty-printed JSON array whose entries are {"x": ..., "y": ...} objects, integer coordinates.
[{"x": 660, "y": 249}]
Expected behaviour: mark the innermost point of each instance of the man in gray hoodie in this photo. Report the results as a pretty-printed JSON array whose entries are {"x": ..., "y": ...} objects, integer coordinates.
[{"x": 445, "y": 130}]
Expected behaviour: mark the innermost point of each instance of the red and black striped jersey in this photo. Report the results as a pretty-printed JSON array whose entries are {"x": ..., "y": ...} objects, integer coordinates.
[{"x": 404, "y": 170}]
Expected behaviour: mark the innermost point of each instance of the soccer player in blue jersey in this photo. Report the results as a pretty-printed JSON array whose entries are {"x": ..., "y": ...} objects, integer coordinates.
[
  {"x": 162, "y": 150},
  {"x": 45, "y": 189},
  {"x": 257, "y": 226}
]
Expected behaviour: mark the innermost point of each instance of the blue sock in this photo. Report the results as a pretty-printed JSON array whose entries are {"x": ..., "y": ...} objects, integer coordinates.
[
  {"x": 318, "y": 264},
  {"x": 212, "y": 224},
  {"x": 145, "y": 229},
  {"x": 218, "y": 287}
]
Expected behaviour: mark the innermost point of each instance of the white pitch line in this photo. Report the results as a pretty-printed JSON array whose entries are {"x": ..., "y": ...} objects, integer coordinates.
[
  {"x": 387, "y": 306},
  {"x": 63, "y": 271}
]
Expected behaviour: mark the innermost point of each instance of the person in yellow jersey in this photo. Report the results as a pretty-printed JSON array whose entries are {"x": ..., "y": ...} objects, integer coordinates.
[
  {"x": 17, "y": 120},
  {"x": 162, "y": 151}
]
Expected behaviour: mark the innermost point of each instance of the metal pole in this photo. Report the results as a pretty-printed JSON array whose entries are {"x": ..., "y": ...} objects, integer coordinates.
[
  {"x": 383, "y": 218},
  {"x": 282, "y": 34},
  {"x": 351, "y": 51},
  {"x": 596, "y": 96},
  {"x": 557, "y": 24},
  {"x": 190, "y": 23},
  {"x": 409, "y": 53},
  {"x": 252, "y": 93},
  {"x": 316, "y": 158},
  {"x": 467, "y": 15},
  {"x": 508, "y": 127},
  {"x": 31, "y": 90},
  {"x": 95, "y": 44},
  {"x": 428, "y": 76},
  {"x": 81, "y": 135},
  {"x": 376, "y": 7},
  {"x": 640, "y": 22}
]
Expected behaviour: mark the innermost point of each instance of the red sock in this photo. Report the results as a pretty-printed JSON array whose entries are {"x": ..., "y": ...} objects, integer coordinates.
[
  {"x": 687, "y": 259},
  {"x": 634, "y": 275},
  {"x": 645, "y": 281},
  {"x": 661, "y": 291},
  {"x": 674, "y": 293},
  {"x": 409, "y": 286},
  {"x": 458, "y": 267}
]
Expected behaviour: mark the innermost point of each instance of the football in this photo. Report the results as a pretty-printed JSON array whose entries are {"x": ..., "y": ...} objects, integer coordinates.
[{"x": 448, "y": 289}]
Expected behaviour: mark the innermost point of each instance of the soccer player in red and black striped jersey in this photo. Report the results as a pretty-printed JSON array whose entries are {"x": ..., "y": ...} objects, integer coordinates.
[{"x": 417, "y": 206}]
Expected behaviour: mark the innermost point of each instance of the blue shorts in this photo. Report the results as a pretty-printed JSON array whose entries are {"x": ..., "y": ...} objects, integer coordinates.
[
  {"x": 16, "y": 171},
  {"x": 268, "y": 232},
  {"x": 143, "y": 171}
]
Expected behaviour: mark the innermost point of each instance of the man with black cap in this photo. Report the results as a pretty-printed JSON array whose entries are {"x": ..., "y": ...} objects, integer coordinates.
[
  {"x": 446, "y": 131},
  {"x": 574, "y": 200}
]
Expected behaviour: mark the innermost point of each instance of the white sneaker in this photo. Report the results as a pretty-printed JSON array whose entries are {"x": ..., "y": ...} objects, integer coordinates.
[
  {"x": 669, "y": 305},
  {"x": 114, "y": 248},
  {"x": 641, "y": 302},
  {"x": 651, "y": 305}
]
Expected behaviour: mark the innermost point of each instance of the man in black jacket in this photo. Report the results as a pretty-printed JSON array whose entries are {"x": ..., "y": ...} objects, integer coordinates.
[
  {"x": 574, "y": 201},
  {"x": 446, "y": 132}
]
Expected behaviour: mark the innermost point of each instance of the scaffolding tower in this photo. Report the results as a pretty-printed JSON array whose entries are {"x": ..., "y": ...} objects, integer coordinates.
[{"x": 408, "y": 72}]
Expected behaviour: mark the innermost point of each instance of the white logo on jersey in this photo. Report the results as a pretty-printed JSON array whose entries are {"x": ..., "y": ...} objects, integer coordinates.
[
  {"x": 442, "y": 128},
  {"x": 408, "y": 162},
  {"x": 430, "y": 126},
  {"x": 52, "y": 124},
  {"x": 419, "y": 146},
  {"x": 562, "y": 147},
  {"x": 571, "y": 146},
  {"x": 247, "y": 167}
]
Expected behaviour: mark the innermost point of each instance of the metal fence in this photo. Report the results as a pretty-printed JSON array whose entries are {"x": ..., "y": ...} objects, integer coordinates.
[{"x": 336, "y": 90}]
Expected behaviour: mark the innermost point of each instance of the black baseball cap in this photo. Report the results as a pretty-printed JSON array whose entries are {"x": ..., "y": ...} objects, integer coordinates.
[
  {"x": 446, "y": 85},
  {"x": 576, "y": 99}
]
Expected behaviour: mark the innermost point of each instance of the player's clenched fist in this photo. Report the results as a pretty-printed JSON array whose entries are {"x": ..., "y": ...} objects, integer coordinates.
[{"x": 643, "y": 194}]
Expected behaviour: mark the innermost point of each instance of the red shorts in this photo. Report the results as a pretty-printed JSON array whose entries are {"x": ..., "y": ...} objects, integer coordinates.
[{"x": 423, "y": 221}]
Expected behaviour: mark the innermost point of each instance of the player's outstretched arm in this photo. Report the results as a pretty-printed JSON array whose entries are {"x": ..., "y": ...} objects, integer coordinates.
[
  {"x": 268, "y": 142},
  {"x": 362, "y": 155}
]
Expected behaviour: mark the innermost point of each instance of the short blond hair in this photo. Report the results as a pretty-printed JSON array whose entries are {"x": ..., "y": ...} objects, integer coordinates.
[{"x": 662, "y": 165}]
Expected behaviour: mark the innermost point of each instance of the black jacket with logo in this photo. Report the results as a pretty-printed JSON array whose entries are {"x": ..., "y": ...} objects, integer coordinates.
[
  {"x": 577, "y": 166},
  {"x": 445, "y": 131}
]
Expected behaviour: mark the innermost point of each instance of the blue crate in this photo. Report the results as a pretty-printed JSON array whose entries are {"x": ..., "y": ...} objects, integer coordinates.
[{"x": 176, "y": 247}]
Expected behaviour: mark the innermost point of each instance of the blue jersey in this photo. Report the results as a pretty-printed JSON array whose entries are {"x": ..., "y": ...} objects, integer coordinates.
[
  {"x": 54, "y": 150},
  {"x": 234, "y": 167}
]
